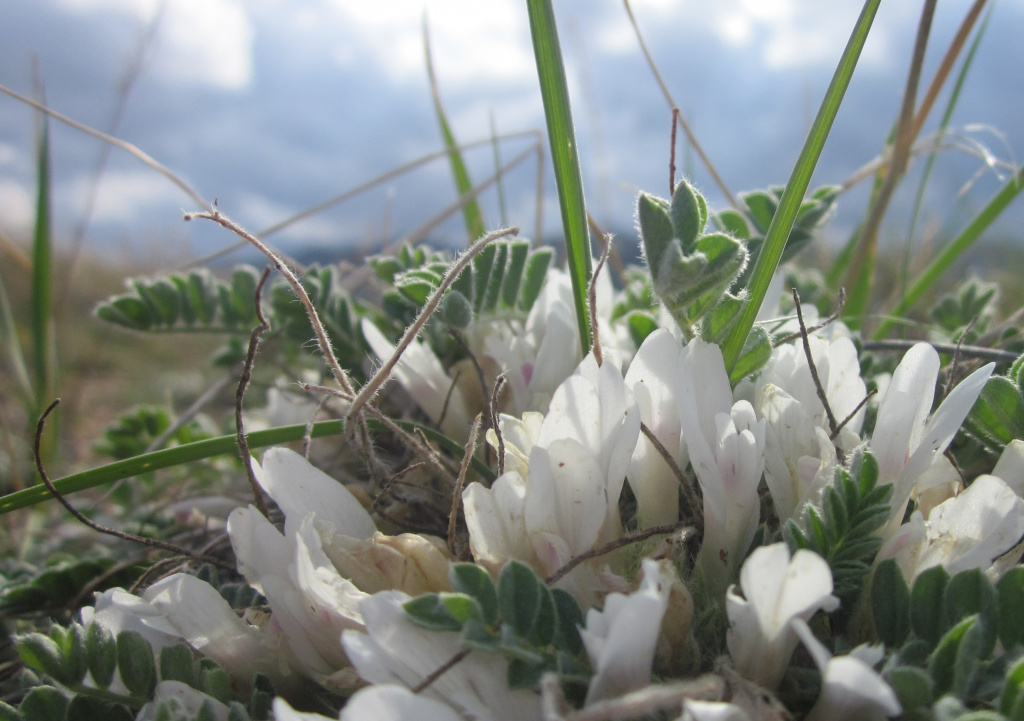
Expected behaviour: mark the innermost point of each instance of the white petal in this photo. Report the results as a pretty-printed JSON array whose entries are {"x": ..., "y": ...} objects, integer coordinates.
[
  {"x": 299, "y": 487},
  {"x": 388, "y": 702},
  {"x": 1010, "y": 466},
  {"x": 568, "y": 494},
  {"x": 903, "y": 410}
]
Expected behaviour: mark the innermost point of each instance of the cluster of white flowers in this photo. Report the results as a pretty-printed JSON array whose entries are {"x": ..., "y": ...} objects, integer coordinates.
[{"x": 572, "y": 438}]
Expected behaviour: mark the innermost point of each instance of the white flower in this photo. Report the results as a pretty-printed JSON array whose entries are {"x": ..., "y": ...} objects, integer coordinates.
[
  {"x": 712, "y": 711},
  {"x": 726, "y": 446},
  {"x": 311, "y": 601},
  {"x": 850, "y": 687},
  {"x": 799, "y": 458},
  {"x": 776, "y": 590},
  {"x": 968, "y": 531},
  {"x": 621, "y": 639},
  {"x": 906, "y": 443},
  {"x": 201, "y": 616},
  {"x": 1010, "y": 466},
  {"x": 393, "y": 650},
  {"x": 284, "y": 712},
  {"x": 388, "y": 702},
  {"x": 838, "y": 369},
  {"x": 652, "y": 377},
  {"x": 494, "y": 518}
]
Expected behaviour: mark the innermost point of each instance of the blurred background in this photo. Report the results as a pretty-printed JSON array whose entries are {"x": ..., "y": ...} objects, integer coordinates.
[{"x": 272, "y": 106}]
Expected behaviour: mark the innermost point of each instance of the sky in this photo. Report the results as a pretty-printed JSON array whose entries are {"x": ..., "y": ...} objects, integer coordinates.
[{"x": 273, "y": 106}]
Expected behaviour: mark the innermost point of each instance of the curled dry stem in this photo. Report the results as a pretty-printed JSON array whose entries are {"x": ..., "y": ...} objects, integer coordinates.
[
  {"x": 243, "y": 383},
  {"x": 459, "y": 483},
  {"x": 499, "y": 383},
  {"x": 151, "y": 542},
  {"x": 372, "y": 386},
  {"x": 832, "y": 423},
  {"x": 647, "y": 701}
]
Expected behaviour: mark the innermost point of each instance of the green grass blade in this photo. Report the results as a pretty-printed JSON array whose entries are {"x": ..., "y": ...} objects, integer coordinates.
[
  {"x": 555, "y": 92},
  {"x": 42, "y": 277},
  {"x": 209, "y": 448},
  {"x": 471, "y": 209},
  {"x": 10, "y": 342},
  {"x": 785, "y": 216},
  {"x": 947, "y": 116},
  {"x": 952, "y": 252}
]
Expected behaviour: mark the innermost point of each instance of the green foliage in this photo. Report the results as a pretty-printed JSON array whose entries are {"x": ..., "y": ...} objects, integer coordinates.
[
  {"x": 51, "y": 589},
  {"x": 136, "y": 430},
  {"x": 973, "y": 303},
  {"x": 843, "y": 530},
  {"x": 998, "y": 415},
  {"x": 68, "y": 653},
  {"x": 947, "y": 663},
  {"x": 535, "y": 627},
  {"x": 759, "y": 208}
]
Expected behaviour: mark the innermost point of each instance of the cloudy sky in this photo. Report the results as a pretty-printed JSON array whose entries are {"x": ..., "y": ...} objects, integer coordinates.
[{"x": 272, "y": 106}]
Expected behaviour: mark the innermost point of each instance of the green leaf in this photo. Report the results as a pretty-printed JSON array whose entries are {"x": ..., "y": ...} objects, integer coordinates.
[
  {"x": 733, "y": 223},
  {"x": 206, "y": 712},
  {"x": 970, "y": 592},
  {"x": 1010, "y": 601},
  {"x": 214, "y": 681},
  {"x": 554, "y": 90},
  {"x": 570, "y": 621},
  {"x": 890, "y": 604},
  {"x": 474, "y": 581},
  {"x": 519, "y": 250},
  {"x": 477, "y": 635},
  {"x": 44, "y": 703},
  {"x": 482, "y": 265},
  {"x": 455, "y": 309},
  {"x": 998, "y": 415},
  {"x": 519, "y": 597},
  {"x": 524, "y": 674},
  {"x": 1012, "y": 697},
  {"x": 9, "y": 713},
  {"x": 497, "y": 276},
  {"x": 40, "y": 653},
  {"x": 87, "y": 708},
  {"x": 533, "y": 277},
  {"x": 547, "y": 618},
  {"x": 971, "y": 651},
  {"x": 43, "y": 339},
  {"x": 757, "y": 351},
  {"x": 177, "y": 664},
  {"x": 913, "y": 686},
  {"x": 237, "y": 712},
  {"x": 429, "y": 611},
  {"x": 163, "y": 299},
  {"x": 462, "y": 607},
  {"x": 943, "y": 663},
  {"x": 688, "y": 216},
  {"x": 126, "y": 311},
  {"x": 657, "y": 233},
  {"x": 789, "y": 206},
  {"x": 136, "y": 664},
  {"x": 640, "y": 326},
  {"x": 262, "y": 698},
  {"x": 74, "y": 662},
  {"x": 927, "y": 615}
]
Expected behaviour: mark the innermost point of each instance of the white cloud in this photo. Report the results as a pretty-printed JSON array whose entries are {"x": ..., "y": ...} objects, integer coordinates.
[
  {"x": 123, "y": 195},
  {"x": 472, "y": 41},
  {"x": 17, "y": 206},
  {"x": 207, "y": 42}
]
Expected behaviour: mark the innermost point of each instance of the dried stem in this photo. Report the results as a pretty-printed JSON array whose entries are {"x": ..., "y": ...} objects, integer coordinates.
[
  {"x": 460, "y": 481},
  {"x": 151, "y": 542},
  {"x": 499, "y": 383},
  {"x": 951, "y": 380},
  {"x": 243, "y": 383},
  {"x": 691, "y": 494},
  {"x": 988, "y": 354},
  {"x": 441, "y": 670},
  {"x": 690, "y": 137},
  {"x": 832, "y": 423},
  {"x": 855, "y": 411},
  {"x": 643, "y": 703},
  {"x": 369, "y": 390},
  {"x": 616, "y": 544},
  {"x": 595, "y": 336},
  {"x": 672, "y": 154},
  {"x": 127, "y": 147},
  {"x": 823, "y": 324}
]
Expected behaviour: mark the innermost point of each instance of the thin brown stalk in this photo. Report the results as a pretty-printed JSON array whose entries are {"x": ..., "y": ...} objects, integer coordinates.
[
  {"x": 823, "y": 324},
  {"x": 499, "y": 383},
  {"x": 904, "y": 140},
  {"x": 116, "y": 142},
  {"x": 951, "y": 380},
  {"x": 573, "y": 562},
  {"x": 854, "y": 412},
  {"x": 453, "y": 517},
  {"x": 441, "y": 671},
  {"x": 372, "y": 386},
  {"x": 243, "y": 383},
  {"x": 690, "y": 137},
  {"x": 691, "y": 495},
  {"x": 595, "y": 335},
  {"x": 672, "y": 154},
  {"x": 987, "y": 354},
  {"x": 832, "y": 423},
  {"x": 151, "y": 542}
]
